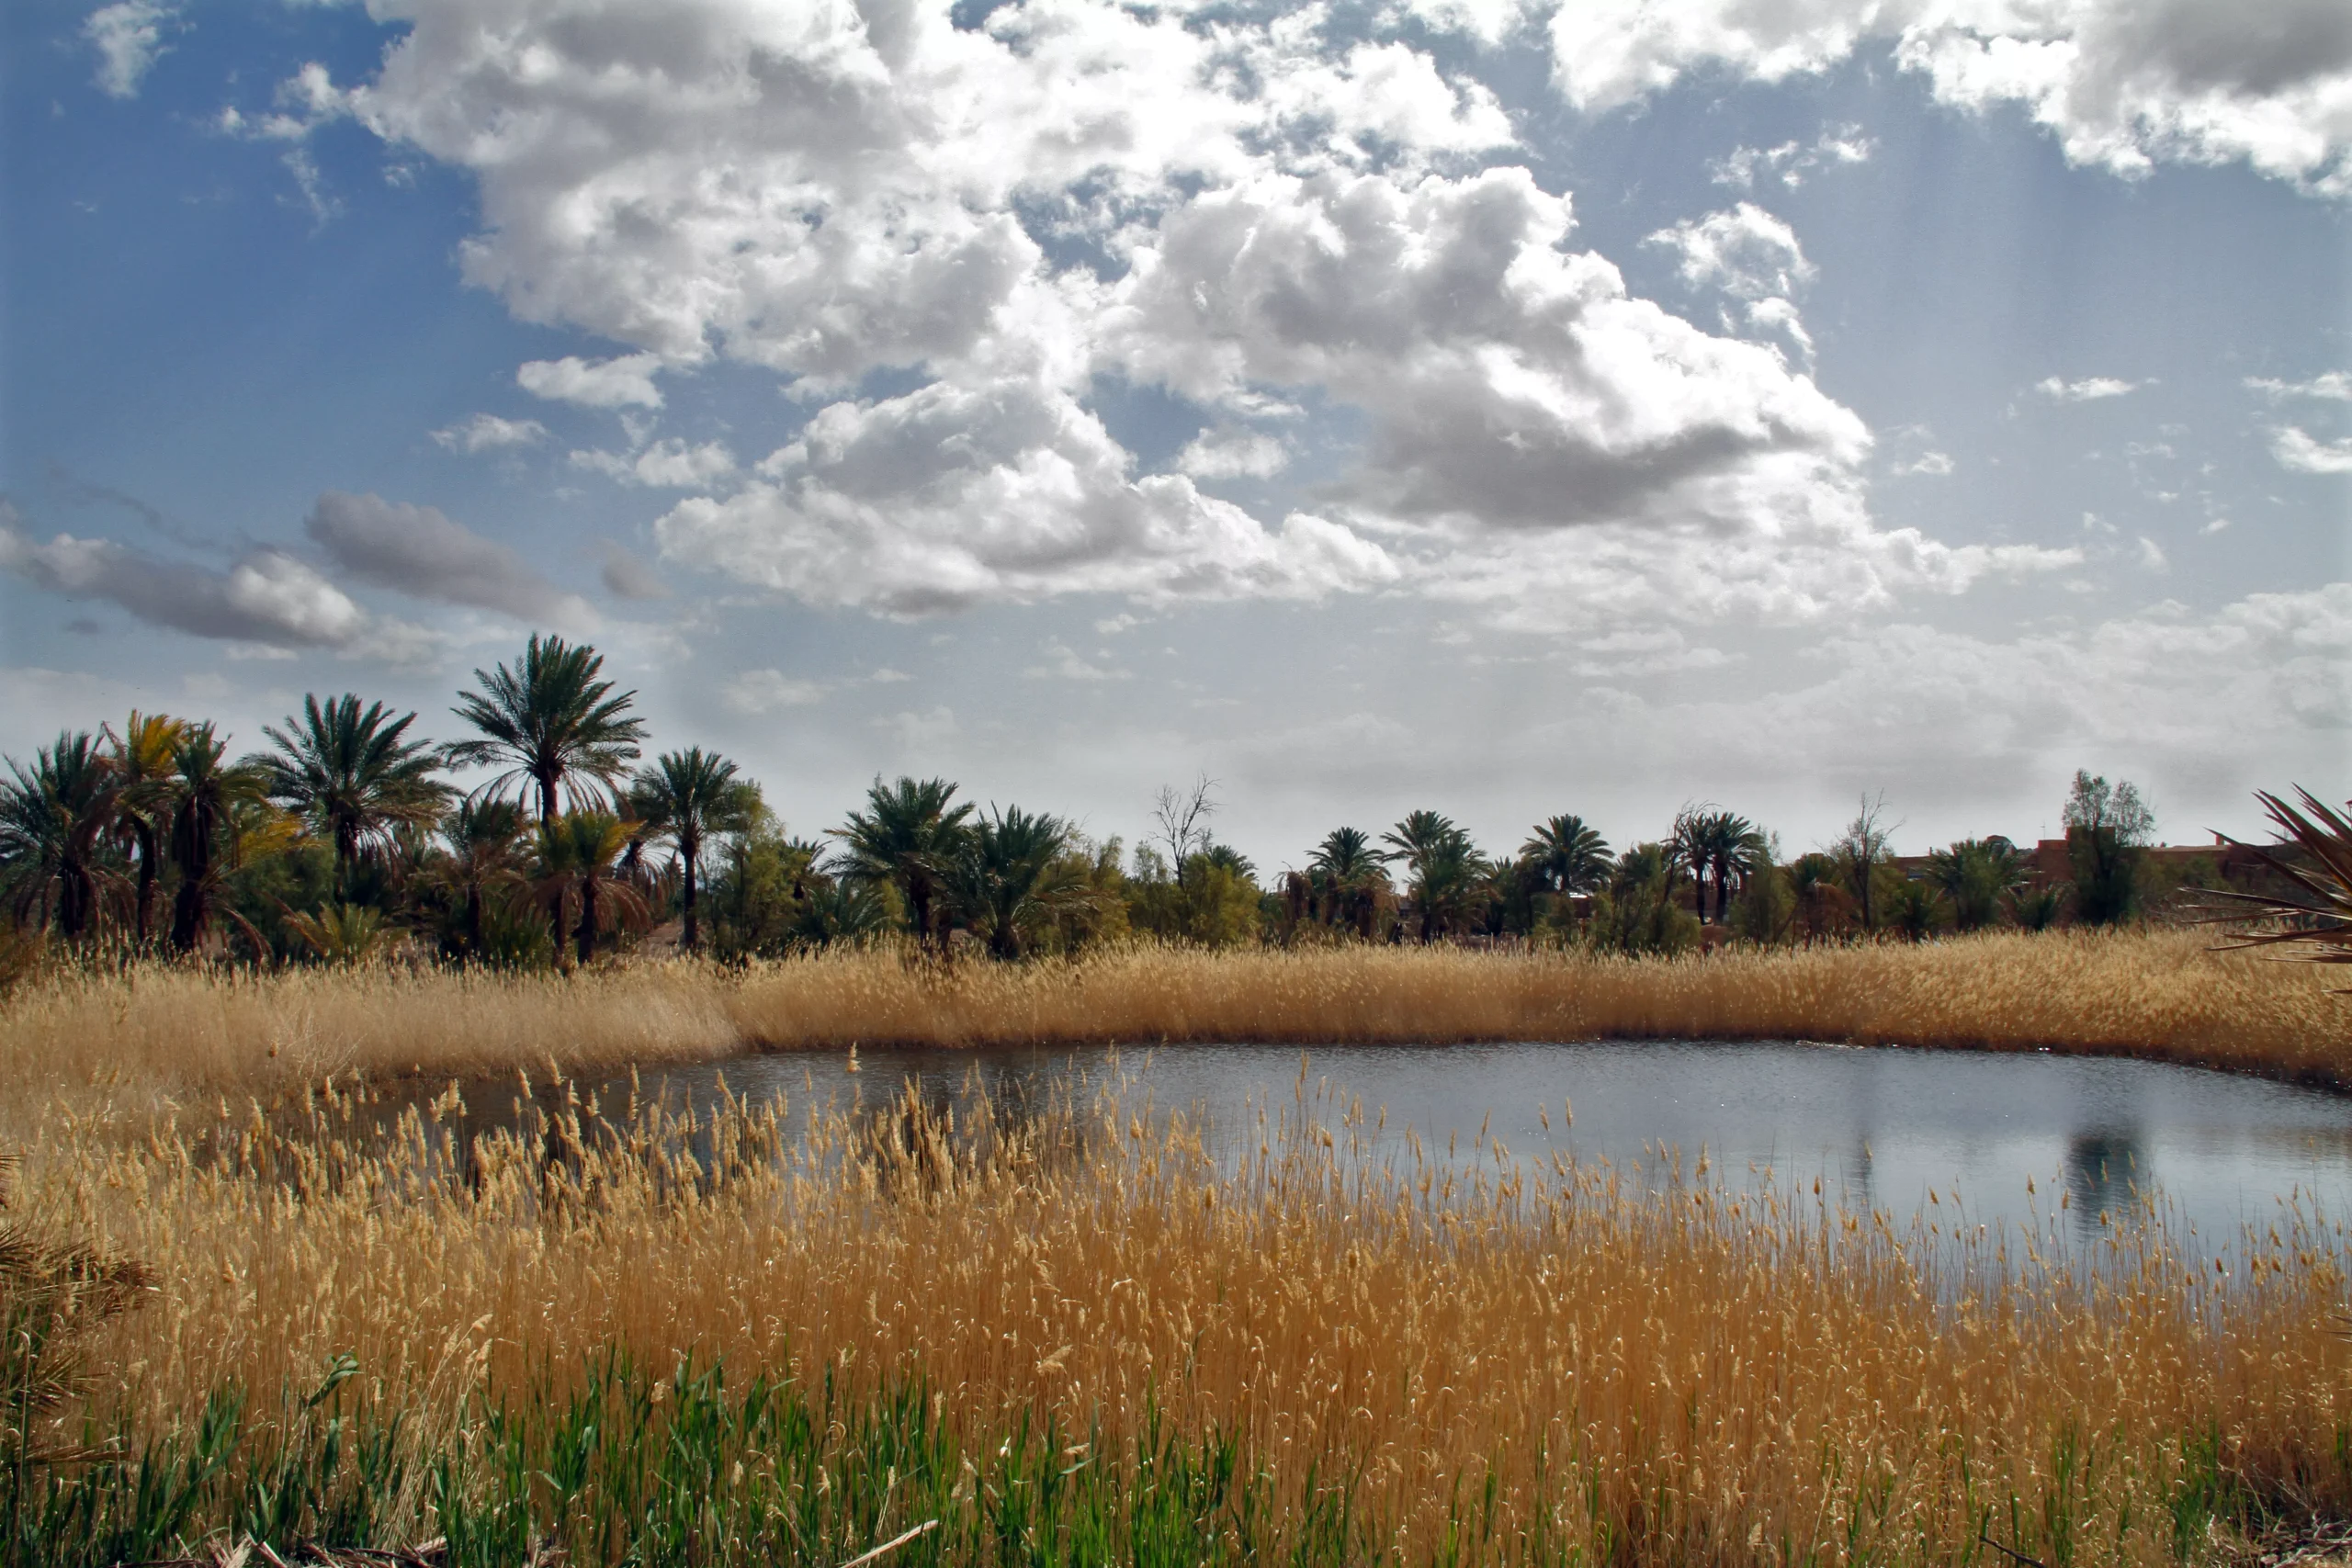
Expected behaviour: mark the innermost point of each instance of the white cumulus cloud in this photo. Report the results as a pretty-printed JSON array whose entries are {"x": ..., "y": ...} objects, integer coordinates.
[
  {"x": 2091, "y": 388},
  {"x": 489, "y": 433},
  {"x": 2300, "y": 450},
  {"x": 625, "y": 382},
  {"x": 129, "y": 37}
]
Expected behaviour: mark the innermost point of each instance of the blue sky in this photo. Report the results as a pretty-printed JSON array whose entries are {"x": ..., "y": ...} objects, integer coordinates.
[{"x": 1499, "y": 408}]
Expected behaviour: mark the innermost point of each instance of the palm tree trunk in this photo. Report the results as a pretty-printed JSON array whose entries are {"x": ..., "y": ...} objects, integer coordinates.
[
  {"x": 473, "y": 921},
  {"x": 587, "y": 932},
  {"x": 547, "y": 797},
  {"x": 693, "y": 934}
]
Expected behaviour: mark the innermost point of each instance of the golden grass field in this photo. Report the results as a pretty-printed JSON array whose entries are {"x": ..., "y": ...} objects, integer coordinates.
[
  {"x": 140, "y": 1039},
  {"x": 1692, "y": 1377}
]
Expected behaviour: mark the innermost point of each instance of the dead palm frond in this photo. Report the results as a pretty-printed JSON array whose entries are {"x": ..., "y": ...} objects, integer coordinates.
[{"x": 2314, "y": 920}]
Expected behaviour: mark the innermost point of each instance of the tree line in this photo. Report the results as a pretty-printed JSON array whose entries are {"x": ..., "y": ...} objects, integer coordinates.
[{"x": 343, "y": 836}]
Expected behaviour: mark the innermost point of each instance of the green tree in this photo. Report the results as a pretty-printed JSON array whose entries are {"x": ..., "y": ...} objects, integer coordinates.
[
  {"x": 142, "y": 761},
  {"x": 685, "y": 798},
  {"x": 53, "y": 821},
  {"x": 349, "y": 774},
  {"x": 553, "y": 723},
  {"x": 2107, "y": 827},
  {"x": 211, "y": 801},
  {"x": 1975, "y": 875},
  {"x": 579, "y": 866},
  {"x": 1571, "y": 857},
  {"x": 1446, "y": 870},
  {"x": 1348, "y": 882},
  {"x": 1639, "y": 913},
  {"x": 483, "y": 864},
  {"x": 1011, "y": 876},
  {"x": 906, "y": 837},
  {"x": 1916, "y": 910}
]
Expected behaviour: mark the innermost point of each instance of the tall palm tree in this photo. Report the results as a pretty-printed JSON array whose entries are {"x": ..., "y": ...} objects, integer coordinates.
[
  {"x": 579, "y": 855},
  {"x": 906, "y": 837},
  {"x": 143, "y": 820},
  {"x": 52, "y": 822},
  {"x": 686, "y": 797},
  {"x": 482, "y": 862},
  {"x": 1011, "y": 874},
  {"x": 1348, "y": 876},
  {"x": 1569, "y": 856},
  {"x": 351, "y": 776},
  {"x": 553, "y": 723},
  {"x": 1735, "y": 849},
  {"x": 207, "y": 793},
  {"x": 1443, "y": 864}
]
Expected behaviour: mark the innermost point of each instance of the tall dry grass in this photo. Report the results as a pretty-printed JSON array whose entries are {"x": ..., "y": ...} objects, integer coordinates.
[
  {"x": 137, "y": 1040},
  {"x": 1526, "y": 1353}
]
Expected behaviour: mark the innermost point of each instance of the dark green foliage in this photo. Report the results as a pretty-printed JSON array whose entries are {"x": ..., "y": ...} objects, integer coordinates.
[
  {"x": 351, "y": 775},
  {"x": 686, "y": 798},
  {"x": 907, "y": 837},
  {"x": 1975, "y": 875},
  {"x": 53, "y": 818}
]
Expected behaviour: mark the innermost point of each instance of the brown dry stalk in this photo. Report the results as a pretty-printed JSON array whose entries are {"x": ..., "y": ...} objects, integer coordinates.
[
  {"x": 1705, "y": 1375},
  {"x": 158, "y": 1034}
]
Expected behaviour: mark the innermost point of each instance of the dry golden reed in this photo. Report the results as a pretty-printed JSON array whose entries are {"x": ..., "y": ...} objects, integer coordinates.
[
  {"x": 157, "y": 1034},
  {"x": 1697, "y": 1375}
]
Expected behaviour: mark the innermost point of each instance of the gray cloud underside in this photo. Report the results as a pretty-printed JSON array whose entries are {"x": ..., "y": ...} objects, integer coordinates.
[{"x": 418, "y": 551}]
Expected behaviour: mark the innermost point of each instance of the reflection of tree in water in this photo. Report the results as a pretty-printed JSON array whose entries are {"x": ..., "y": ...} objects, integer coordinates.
[{"x": 2102, "y": 1168}]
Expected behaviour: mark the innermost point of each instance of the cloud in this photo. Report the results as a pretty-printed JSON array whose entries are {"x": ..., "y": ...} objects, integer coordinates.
[
  {"x": 2332, "y": 386},
  {"x": 2123, "y": 84},
  {"x": 1232, "y": 455},
  {"x": 764, "y": 690},
  {"x": 626, "y": 577},
  {"x": 1927, "y": 465},
  {"x": 2089, "y": 389},
  {"x": 1791, "y": 163},
  {"x": 665, "y": 465},
  {"x": 268, "y": 598},
  {"x": 1746, "y": 251},
  {"x": 488, "y": 433},
  {"x": 129, "y": 38},
  {"x": 418, "y": 551},
  {"x": 951, "y": 496},
  {"x": 1063, "y": 662},
  {"x": 625, "y": 382},
  {"x": 2298, "y": 450}
]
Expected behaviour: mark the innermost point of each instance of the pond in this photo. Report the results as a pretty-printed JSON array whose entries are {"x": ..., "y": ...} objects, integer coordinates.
[{"x": 1881, "y": 1127}]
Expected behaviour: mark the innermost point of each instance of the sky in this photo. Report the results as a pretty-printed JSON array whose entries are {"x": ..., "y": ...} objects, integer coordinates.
[{"x": 1503, "y": 408}]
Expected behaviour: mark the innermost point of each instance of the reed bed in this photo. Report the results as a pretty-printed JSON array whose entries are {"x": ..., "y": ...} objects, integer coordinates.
[
  {"x": 1385, "y": 1361},
  {"x": 140, "y": 1039}
]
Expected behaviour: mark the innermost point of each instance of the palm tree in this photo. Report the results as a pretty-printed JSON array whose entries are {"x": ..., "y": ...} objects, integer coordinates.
[
  {"x": 1444, "y": 865},
  {"x": 552, "y": 723},
  {"x": 1974, "y": 874},
  {"x": 2313, "y": 856},
  {"x": 207, "y": 795},
  {"x": 906, "y": 836},
  {"x": 142, "y": 763},
  {"x": 1569, "y": 856},
  {"x": 1009, "y": 875},
  {"x": 579, "y": 856},
  {"x": 1348, "y": 877},
  {"x": 482, "y": 862},
  {"x": 1735, "y": 849},
  {"x": 348, "y": 772},
  {"x": 51, "y": 822},
  {"x": 686, "y": 797}
]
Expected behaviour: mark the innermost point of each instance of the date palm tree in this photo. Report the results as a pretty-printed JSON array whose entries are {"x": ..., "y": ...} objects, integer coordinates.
[
  {"x": 209, "y": 796},
  {"x": 2313, "y": 856},
  {"x": 1011, "y": 874},
  {"x": 907, "y": 836},
  {"x": 1974, "y": 875},
  {"x": 1568, "y": 856},
  {"x": 483, "y": 862},
  {"x": 53, "y": 820},
  {"x": 578, "y": 864},
  {"x": 1348, "y": 877},
  {"x": 686, "y": 797},
  {"x": 349, "y": 773},
  {"x": 1444, "y": 867},
  {"x": 143, "y": 820},
  {"x": 553, "y": 723}
]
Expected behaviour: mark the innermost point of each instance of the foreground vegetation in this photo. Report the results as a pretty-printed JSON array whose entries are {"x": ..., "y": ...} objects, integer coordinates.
[{"x": 1078, "y": 1337}]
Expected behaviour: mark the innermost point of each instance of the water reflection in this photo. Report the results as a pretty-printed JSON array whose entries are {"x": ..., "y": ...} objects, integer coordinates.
[{"x": 1880, "y": 1128}]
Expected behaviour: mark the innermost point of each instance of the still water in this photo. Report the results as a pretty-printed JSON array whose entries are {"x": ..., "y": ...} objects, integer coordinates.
[{"x": 1881, "y": 1127}]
